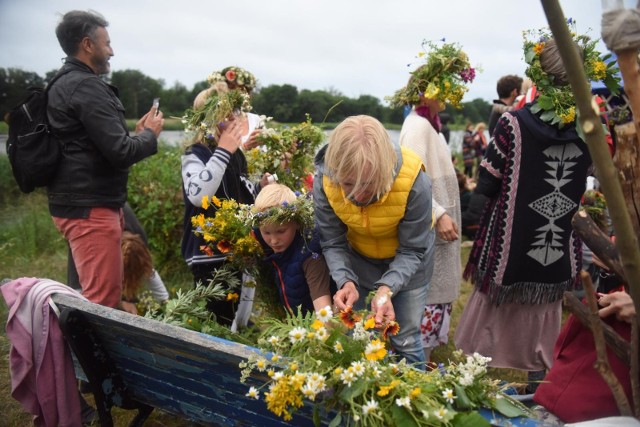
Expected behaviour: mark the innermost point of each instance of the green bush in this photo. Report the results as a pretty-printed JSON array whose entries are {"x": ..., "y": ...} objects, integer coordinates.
[{"x": 155, "y": 194}]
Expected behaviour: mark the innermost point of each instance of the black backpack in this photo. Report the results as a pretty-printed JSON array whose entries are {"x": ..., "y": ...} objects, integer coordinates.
[{"x": 33, "y": 150}]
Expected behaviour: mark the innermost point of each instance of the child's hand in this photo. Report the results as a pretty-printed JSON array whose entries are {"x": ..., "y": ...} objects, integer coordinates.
[{"x": 129, "y": 307}]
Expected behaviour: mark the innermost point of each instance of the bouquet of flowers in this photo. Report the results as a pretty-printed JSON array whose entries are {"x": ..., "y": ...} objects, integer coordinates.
[
  {"x": 344, "y": 363},
  {"x": 556, "y": 102},
  {"x": 288, "y": 153},
  {"x": 229, "y": 231}
]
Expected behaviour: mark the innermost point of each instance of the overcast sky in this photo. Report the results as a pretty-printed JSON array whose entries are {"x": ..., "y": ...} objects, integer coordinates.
[{"x": 353, "y": 46}]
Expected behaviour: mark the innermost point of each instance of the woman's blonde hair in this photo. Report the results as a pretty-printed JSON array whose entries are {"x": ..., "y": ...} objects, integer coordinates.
[
  {"x": 360, "y": 149},
  {"x": 273, "y": 195},
  {"x": 479, "y": 126},
  {"x": 136, "y": 262}
]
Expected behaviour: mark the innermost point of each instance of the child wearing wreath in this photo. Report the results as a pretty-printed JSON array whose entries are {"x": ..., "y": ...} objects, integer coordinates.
[
  {"x": 285, "y": 227},
  {"x": 213, "y": 164}
]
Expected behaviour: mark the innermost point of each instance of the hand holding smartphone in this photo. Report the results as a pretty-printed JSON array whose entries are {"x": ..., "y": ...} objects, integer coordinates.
[{"x": 156, "y": 104}]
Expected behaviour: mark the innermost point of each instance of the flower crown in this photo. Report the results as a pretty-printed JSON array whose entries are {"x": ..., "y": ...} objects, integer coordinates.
[
  {"x": 557, "y": 102},
  {"x": 234, "y": 76},
  {"x": 300, "y": 211},
  {"x": 208, "y": 119},
  {"x": 443, "y": 76}
]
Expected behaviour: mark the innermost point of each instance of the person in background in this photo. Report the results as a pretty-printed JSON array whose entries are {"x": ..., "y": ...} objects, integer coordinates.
[
  {"x": 90, "y": 188},
  {"x": 508, "y": 88},
  {"x": 526, "y": 254},
  {"x": 214, "y": 164},
  {"x": 465, "y": 192},
  {"x": 479, "y": 144},
  {"x": 373, "y": 210},
  {"x": 285, "y": 228},
  {"x": 468, "y": 150},
  {"x": 421, "y": 133}
]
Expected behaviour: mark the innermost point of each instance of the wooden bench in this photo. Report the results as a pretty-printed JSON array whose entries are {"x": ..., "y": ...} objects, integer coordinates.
[{"x": 133, "y": 362}]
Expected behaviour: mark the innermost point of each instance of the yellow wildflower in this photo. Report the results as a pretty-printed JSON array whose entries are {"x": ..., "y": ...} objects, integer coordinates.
[
  {"x": 415, "y": 392},
  {"x": 538, "y": 47},
  {"x": 205, "y": 202},
  {"x": 599, "y": 70},
  {"x": 370, "y": 323},
  {"x": 568, "y": 116},
  {"x": 317, "y": 324},
  {"x": 215, "y": 201},
  {"x": 232, "y": 296},
  {"x": 375, "y": 350}
]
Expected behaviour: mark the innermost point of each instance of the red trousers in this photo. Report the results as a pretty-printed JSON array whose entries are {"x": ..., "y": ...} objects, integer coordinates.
[{"x": 95, "y": 245}]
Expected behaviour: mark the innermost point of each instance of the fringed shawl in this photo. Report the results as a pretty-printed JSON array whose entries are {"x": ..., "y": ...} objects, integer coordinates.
[{"x": 525, "y": 250}]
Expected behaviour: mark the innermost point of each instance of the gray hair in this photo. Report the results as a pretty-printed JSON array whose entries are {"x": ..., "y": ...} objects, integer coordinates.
[{"x": 75, "y": 26}]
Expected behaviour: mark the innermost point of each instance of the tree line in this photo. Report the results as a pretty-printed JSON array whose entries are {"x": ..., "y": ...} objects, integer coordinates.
[{"x": 284, "y": 103}]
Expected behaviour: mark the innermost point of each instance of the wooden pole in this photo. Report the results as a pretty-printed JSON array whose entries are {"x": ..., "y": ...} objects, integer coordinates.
[{"x": 589, "y": 120}]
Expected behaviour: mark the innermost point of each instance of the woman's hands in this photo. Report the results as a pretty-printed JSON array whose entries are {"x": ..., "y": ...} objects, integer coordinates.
[
  {"x": 447, "y": 228},
  {"x": 346, "y": 296},
  {"x": 382, "y": 306}
]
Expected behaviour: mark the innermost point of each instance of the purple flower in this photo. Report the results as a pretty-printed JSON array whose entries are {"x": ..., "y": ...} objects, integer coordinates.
[
  {"x": 570, "y": 21},
  {"x": 420, "y": 93},
  {"x": 468, "y": 75},
  {"x": 315, "y": 255}
]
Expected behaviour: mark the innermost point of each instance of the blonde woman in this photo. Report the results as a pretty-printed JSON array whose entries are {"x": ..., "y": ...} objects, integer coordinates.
[{"x": 373, "y": 209}]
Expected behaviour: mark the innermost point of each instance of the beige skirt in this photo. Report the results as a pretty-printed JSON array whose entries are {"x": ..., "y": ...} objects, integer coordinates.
[{"x": 516, "y": 336}]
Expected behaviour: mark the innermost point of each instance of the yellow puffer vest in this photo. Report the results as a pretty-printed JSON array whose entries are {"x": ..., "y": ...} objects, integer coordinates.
[{"x": 373, "y": 229}]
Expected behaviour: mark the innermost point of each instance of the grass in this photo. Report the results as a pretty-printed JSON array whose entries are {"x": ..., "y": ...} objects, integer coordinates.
[{"x": 31, "y": 246}]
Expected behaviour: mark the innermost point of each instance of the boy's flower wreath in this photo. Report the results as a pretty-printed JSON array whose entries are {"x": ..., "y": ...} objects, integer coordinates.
[
  {"x": 343, "y": 363},
  {"x": 206, "y": 122},
  {"x": 444, "y": 76},
  {"x": 557, "y": 103},
  {"x": 234, "y": 76},
  {"x": 299, "y": 211}
]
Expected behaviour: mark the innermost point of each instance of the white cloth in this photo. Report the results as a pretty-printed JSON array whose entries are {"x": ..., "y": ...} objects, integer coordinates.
[
  {"x": 418, "y": 135},
  {"x": 246, "y": 303}
]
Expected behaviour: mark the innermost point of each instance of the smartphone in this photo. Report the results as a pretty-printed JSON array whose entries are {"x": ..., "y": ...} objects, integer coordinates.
[{"x": 156, "y": 104}]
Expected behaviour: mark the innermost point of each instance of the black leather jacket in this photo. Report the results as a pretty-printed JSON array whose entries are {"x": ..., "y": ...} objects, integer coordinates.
[{"x": 88, "y": 119}]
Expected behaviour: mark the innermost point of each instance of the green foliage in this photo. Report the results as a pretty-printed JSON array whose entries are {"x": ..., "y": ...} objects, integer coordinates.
[
  {"x": 136, "y": 91},
  {"x": 155, "y": 194},
  {"x": 8, "y": 188},
  {"x": 30, "y": 245}
]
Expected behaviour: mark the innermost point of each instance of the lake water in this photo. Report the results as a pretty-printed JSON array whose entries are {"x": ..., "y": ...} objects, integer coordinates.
[{"x": 175, "y": 137}]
